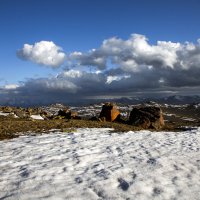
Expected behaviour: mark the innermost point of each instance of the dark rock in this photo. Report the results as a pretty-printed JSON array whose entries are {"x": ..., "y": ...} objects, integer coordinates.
[
  {"x": 68, "y": 114},
  {"x": 22, "y": 114},
  {"x": 63, "y": 113},
  {"x": 147, "y": 117},
  {"x": 7, "y": 109}
]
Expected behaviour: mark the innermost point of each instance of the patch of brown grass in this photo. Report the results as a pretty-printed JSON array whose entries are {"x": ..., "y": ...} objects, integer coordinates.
[{"x": 11, "y": 128}]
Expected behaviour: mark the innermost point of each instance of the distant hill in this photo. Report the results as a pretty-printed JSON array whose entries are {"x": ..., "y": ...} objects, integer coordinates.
[{"x": 175, "y": 99}]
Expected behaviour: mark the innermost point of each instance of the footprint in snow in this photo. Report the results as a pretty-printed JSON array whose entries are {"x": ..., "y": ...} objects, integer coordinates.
[
  {"x": 102, "y": 173},
  {"x": 24, "y": 173},
  {"x": 124, "y": 185},
  {"x": 78, "y": 180},
  {"x": 119, "y": 150},
  {"x": 157, "y": 191},
  {"x": 152, "y": 161},
  {"x": 109, "y": 150}
]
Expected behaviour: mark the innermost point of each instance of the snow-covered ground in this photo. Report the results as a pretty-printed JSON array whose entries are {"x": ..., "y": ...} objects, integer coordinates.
[
  {"x": 7, "y": 114},
  {"x": 37, "y": 117},
  {"x": 4, "y": 114},
  {"x": 101, "y": 164}
]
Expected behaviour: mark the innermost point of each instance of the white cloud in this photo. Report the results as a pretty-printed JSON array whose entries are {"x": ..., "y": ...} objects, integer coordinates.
[
  {"x": 44, "y": 53},
  {"x": 118, "y": 67},
  {"x": 11, "y": 86},
  {"x": 110, "y": 79},
  {"x": 72, "y": 73},
  {"x": 136, "y": 54}
]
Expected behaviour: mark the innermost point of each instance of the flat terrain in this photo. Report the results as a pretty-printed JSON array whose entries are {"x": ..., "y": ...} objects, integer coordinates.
[
  {"x": 11, "y": 128},
  {"x": 101, "y": 164},
  {"x": 85, "y": 159},
  {"x": 177, "y": 117}
]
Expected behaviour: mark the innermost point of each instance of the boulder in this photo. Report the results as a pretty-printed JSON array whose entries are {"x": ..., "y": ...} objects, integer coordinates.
[
  {"x": 68, "y": 114},
  {"x": 63, "y": 113},
  {"x": 109, "y": 112},
  {"x": 29, "y": 111},
  {"x": 22, "y": 114},
  {"x": 147, "y": 117},
  {"x": 73, "y": 114},
  {"x": 6, "y": 109}
]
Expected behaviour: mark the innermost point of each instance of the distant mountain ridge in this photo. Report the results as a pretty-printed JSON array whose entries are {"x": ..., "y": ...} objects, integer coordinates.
[{"x": 174, "y": 99}]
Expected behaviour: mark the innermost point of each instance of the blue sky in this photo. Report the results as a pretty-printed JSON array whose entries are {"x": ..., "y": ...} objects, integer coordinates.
[{"x": 82, "y": 25}]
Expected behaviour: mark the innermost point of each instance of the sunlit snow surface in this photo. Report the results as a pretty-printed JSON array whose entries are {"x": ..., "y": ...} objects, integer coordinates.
[
  {"x": 100, "y": 164},
  {"x": 37, "y": 117}
]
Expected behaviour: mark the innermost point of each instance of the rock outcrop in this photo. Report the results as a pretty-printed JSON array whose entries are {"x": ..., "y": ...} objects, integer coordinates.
[
  {"x": 68, "y": 114},
  {"x": 147, "y": 117},
  {"x": 7, "y": 109},
  {"x": 20, "y": 113},
  {"x": 109, "y": 112}
]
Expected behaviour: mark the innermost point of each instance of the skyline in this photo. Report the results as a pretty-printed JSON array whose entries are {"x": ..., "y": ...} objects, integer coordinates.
[{"x": 64, "y": 50}]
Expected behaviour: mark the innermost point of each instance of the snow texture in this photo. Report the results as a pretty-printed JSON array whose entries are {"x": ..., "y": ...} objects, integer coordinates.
[
  {"x": 101, "y": 164},
  {"x": 37, "y": 117},
  {"x": 7, "y": 114},
  {"x": 4, "y": 114}
]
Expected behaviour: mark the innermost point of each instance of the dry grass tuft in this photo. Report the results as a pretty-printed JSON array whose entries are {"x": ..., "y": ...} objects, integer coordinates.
[{"x": 11, "y": 128}]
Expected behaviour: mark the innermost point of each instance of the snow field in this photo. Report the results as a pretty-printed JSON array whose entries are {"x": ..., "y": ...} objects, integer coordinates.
[
  {"x": 101, "y": 164},
  {"x": 38, "y": 117}
]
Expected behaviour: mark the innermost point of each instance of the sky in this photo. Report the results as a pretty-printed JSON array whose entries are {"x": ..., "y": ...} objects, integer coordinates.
[{"x": 72, "y": 50}]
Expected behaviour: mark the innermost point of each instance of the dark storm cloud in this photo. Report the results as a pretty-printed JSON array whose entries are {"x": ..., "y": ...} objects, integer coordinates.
[{"x": 119, "y": 68}]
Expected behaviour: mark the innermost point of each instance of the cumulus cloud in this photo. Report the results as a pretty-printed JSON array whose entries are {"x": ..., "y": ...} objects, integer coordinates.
[
  {"x": 11, "y": 86},
  {"x": 72, "y": 73},
  {"x": 161, "y": 65},
  {"x": 92, "y": 58},
  {"x": 110, "y": 79},
  {"x": 44, "y": 53},
  {"x": 117, "y": 68},
  {"x": 132, "y": 55},
  {"x": 136, "y": 54}
]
